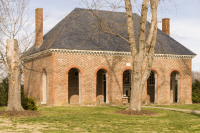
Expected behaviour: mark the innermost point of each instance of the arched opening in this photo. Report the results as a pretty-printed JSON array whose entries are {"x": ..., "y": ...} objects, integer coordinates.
[
  {"x": 44, "y": 87},
  {"x": 102, "y": 86},
  {"x": 175, "y": 87},
  {"x": 127, "y": 84},
  {"x": 74, "y": 86},
  {"x": 152, "y": 87}
]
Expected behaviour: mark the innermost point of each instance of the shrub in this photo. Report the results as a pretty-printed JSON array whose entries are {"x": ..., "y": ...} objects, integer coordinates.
[
  {"x": 196, "y": 92},
  {"x": 4, "y": 92},
  {"x": 27, "y": 102},
  {"x": 31, "y": 104}
]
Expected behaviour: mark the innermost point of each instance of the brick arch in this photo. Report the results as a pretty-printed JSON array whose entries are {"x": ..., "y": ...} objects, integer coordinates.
[
  {"x": 81, "y": 72},
  {"x": 126, "y": 68},
  {"x": 180, "y": 82},
  {"x": 175, "y": 70},
  {"x": 44, "y": 68},
  {"x": 102, "y": 67},
  {"x": 74, "y": 66},
  {"x": 95, "y": 83},
  {"x": 153, "y": 69}
]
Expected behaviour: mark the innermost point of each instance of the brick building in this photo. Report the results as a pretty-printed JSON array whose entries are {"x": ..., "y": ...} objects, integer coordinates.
[{"x": 77, "y": 63}]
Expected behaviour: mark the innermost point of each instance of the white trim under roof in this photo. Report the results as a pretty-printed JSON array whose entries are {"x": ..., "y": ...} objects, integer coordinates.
[
  {"x": 37, "y": 55},
  {"x": 91, "y": 52}
]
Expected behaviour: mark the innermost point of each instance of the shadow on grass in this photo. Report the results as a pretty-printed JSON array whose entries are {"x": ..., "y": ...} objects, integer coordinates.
[
  {"x": 192, "y": 113},
  {"x": 195, "y": 114},
  {"x": 119, "y": 107}
]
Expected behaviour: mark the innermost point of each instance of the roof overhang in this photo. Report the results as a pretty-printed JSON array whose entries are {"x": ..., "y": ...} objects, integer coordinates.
[
  {"x": 92, "y": 52},
  {"x": 37, "y": 55}
]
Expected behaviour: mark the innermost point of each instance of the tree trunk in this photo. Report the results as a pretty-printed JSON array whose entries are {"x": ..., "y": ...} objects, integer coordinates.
[
  {"x": 136, "y": 88},
  {"x": 14, "y": 65},
  {"x": 145, "y": 50}
]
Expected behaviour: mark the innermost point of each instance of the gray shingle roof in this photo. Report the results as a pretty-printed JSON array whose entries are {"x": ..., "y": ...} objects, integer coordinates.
[{"x": 80, "y": 30}]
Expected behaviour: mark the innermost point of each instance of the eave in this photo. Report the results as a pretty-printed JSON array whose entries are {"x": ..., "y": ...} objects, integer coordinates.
[{"x": 100, "y": 53}]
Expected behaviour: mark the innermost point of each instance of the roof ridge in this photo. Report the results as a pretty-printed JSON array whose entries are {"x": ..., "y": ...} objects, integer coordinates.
[{"x": 103, "y": 10}]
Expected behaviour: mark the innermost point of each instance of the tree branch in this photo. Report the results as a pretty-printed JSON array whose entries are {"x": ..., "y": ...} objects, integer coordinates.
[
  {"x": 130, "y": 27},
  {"x": 151, "y": 41},
  {"x": 4, "y": 62},
  {"x": 108, "y": 29},
  {"x": 142, "y": 30}
]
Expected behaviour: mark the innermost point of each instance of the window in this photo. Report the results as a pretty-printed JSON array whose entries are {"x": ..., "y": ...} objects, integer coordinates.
[
  {"x": 127, "y": 83},
  {"x": 151, "y": 79},
  {"x": 126, "y": 77}
]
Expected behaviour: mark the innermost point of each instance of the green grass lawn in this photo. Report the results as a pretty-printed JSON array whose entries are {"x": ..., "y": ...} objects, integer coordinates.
[
  {"x": 101, "y": 119},
  {"x": 185, "y": 106},
  {"x": 2, "y": 108}
]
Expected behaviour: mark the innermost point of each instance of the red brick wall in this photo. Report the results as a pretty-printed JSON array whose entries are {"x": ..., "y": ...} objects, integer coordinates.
[
  {"x": 33, "y": 78},
  {"x": 88, "y": 65},
  {"x": 164, "y": 68}
]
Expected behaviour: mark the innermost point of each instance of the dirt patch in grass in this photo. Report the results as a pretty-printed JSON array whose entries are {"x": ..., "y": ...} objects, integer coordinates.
[
  {"x": 7, "y": 126},
  {"x": 134, "y": 113},
  {"x": 26, "y": 113}
]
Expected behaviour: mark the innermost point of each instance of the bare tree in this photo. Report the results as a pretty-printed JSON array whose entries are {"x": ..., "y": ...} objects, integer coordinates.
[
  {"x": 144, "y": 53},
  {"x": 14, "y": 25},
  {"x": 195, "y": 76}
]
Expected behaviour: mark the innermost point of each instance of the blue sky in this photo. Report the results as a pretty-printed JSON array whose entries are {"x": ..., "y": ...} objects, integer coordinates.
[{"x": 184, "y": 19}]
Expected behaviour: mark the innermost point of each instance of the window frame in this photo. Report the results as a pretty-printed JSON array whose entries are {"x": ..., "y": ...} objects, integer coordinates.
[
  {"x": 126, "y": 85},
  {"x": 152, "y": 79}
]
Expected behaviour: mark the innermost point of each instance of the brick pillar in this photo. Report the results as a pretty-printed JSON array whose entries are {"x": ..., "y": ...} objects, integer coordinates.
[
  {"x": 166, "y": 25},
  {"x": 38, "y": 26}
]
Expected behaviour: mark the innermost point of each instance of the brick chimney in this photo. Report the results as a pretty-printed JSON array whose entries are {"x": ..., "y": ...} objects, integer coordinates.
[
  {"x": 166, "y": 25},
  {"x": 38, "y": 26}
]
